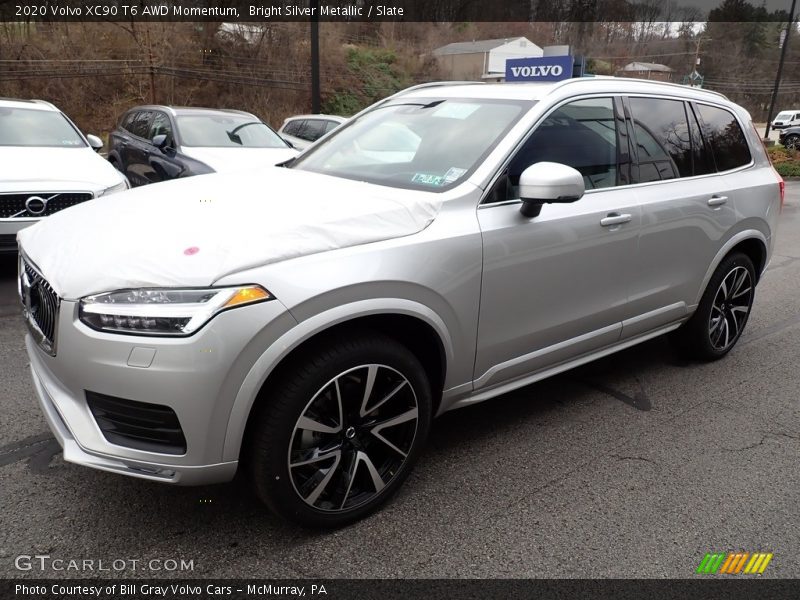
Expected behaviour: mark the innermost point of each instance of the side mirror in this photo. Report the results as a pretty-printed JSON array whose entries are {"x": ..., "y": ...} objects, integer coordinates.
[
  {"x": 547, "y": 182},
  {"x": 95, "y": 142},
  {"x": 160, "y": 141}
]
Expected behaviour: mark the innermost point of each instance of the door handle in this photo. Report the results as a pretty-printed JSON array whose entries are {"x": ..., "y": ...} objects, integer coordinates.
[
  {"x": 615, "y": 219},
  {"x": 717, "y": 200}
]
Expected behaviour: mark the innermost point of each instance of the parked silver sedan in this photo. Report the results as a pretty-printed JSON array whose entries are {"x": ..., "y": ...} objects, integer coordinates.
[{"x": 306, "y": 323}]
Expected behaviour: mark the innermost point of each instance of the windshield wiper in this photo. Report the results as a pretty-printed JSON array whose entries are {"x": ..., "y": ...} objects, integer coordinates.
[{"x": 234, "y": 137}]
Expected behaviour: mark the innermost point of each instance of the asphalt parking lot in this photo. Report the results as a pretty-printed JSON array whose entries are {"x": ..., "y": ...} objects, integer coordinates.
[{"x": 634, "y": 466}]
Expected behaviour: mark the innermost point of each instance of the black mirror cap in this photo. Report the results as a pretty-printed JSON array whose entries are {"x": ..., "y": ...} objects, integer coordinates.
[{"x": 530, "y": 208}]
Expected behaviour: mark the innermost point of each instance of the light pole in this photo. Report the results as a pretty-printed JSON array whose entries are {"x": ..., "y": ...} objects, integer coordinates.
[
  {"x": 780, "y": 70},
  {"x": 315, "y": 101}
]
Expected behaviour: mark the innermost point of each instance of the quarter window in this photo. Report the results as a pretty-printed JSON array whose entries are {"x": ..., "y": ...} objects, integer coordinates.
[
  {"x": 127, "y": 123},
  {"x": 292, "y": 128},
  {"x": 725, "y": 137},
  {"x": 663, "y": 140}
]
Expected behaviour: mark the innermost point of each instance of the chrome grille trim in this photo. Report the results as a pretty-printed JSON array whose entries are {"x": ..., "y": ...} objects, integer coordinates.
[{"x": 40, "y": 305}]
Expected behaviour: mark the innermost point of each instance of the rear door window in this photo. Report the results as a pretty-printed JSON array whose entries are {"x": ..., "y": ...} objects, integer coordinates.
[
  {"x": 663, "y": 140},
  {"x": 725, "y": 136}
]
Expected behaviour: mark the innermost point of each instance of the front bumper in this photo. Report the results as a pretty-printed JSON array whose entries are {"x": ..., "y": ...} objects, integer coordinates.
[
  {"x": 197, "y": 376},
  {"x": 8, "y": 233}
]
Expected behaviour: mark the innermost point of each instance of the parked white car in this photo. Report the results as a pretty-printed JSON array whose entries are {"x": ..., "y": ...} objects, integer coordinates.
[
  {"x": 787, "y": 118},
  {"x": 47, "y": 165},
  {"x": 303, "y": 130}
]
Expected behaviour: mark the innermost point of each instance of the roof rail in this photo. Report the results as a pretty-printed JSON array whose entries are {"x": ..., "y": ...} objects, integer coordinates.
[
  {"x": 438, "y": 84},
  {"x": 45, "y": 102},
  {"x": 432, "y": 84},
  {"x": 650, "y": 81}
]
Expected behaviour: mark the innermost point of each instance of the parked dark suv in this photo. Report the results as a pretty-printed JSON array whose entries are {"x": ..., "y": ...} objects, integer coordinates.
[{"x": 156, "y": 143}]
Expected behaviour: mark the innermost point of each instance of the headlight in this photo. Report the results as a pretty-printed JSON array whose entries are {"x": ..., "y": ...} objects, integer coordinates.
[
  {"x": 120, "y": 187},
  {"x": 164, "y": 311}
]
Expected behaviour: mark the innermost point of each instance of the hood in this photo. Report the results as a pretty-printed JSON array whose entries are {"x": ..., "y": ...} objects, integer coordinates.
[
  {"x": 226, "y": 160},
  {"x": 193, "y": 231},
  {"x": 39, "y": 168}
]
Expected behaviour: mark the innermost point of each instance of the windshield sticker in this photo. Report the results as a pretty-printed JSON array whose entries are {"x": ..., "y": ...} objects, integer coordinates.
[
  {"x": 456, "y": 110},
  {"x": 428, "y": 179},
  {"x": 452, "y": 174}
]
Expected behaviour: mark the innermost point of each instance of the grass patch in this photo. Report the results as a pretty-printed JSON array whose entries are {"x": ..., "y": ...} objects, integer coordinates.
[{"x": 785, "y": 161}]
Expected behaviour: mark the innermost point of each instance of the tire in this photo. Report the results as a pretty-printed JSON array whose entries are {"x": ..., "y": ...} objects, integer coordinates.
[
  {"x": 792, "y": 142},
  {"x": 722, "y": 314},
  {"x": 318, "y": 465}
]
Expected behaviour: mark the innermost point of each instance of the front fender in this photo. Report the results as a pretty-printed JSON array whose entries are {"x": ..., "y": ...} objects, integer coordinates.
[{"x": 305, "y": 330}]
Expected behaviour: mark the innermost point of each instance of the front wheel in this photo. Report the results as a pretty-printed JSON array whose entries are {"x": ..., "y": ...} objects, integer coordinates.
[
  {"x": 792, "y": 142},
  {"x": 340, "y": 430},
  {"x": 722, "y": 314}
]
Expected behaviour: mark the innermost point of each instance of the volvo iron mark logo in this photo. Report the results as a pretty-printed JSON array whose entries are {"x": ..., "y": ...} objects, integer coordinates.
[{"x": 36, "y": 205}]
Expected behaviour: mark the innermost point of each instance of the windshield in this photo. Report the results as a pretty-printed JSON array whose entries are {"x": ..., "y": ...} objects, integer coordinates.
[
  {"x": 31, "y": 127},
  {"x": 216, "y": 130},
  {"x": 430, "y": 144},
  {"x": 784, "y": 115}
]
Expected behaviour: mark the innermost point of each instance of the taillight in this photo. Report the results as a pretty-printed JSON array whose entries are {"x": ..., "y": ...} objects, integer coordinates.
[{"x": 782, "y": 187}]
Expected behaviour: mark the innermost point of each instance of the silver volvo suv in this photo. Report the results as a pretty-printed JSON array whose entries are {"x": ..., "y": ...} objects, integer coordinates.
[{"x": 305, "y": 323}]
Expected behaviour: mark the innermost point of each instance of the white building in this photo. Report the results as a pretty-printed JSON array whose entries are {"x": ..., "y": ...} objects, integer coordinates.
[{"x": 472, "y": 60}]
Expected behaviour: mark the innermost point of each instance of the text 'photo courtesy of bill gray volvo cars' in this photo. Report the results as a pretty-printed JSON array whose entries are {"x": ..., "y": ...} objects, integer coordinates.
[
  {"x": 47, "y": 165},
  {"x": 305, "y": 323}
]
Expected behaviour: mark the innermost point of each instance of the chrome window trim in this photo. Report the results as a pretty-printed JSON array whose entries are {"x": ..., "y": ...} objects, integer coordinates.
[{"x": 507, "y": 159}]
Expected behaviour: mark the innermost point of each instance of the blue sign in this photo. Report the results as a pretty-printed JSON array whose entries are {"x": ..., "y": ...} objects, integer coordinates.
[{"x": 546, "y": 68}]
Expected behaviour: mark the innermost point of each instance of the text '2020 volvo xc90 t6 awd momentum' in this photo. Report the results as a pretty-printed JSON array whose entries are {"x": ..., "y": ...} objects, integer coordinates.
[{"x": 306, "y": 322}]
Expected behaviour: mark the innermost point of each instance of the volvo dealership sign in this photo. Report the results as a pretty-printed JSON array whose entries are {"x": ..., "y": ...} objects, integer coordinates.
[{"x": 546, "y": 68}]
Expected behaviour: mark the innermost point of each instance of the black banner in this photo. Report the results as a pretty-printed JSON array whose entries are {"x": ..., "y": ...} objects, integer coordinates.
[
  {"x": 365, "y": 589},
  {"x": 264, "y": 11}
]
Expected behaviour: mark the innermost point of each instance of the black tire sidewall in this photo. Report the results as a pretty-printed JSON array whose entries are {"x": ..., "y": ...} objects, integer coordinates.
[
  {"x": 697, "y": 336},
  {"x": 283, "y": 405}
]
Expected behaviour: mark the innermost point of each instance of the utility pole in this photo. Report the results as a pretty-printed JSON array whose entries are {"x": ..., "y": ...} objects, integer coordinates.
[
  {"x": 780, "y": 70},
  {"x": 315, "y": 93},
  {"x": 152, "y": 68}
]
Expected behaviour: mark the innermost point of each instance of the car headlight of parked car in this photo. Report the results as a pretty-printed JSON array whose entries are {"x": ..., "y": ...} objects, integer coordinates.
[
  {"x": 164, "y": 312},
  {"x": 120, "y": 187}
]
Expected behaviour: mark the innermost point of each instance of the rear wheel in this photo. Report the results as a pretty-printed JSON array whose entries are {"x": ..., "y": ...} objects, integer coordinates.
[
  {"x": 340, "y": 431},
  {"x": 722, "y": 314},
  {"x": 792, "y": 142}
]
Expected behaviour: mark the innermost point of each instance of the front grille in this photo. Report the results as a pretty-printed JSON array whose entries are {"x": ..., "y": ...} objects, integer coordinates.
[
  {"x": 40, "y": 305},
  {"x": 138, "y": 425},
  {"x": 14, "y": 205}
]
